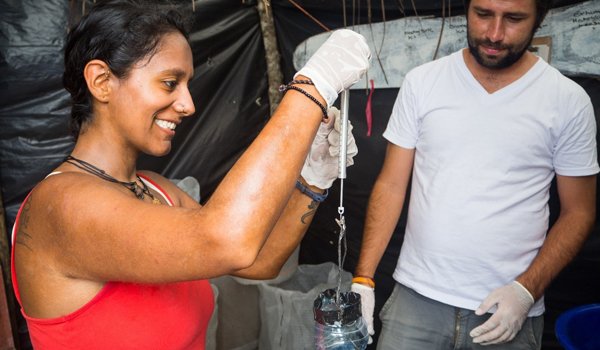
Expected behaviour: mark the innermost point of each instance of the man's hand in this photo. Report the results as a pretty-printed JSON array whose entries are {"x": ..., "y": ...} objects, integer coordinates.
[
  {"x": 321, "y": 167},
  {"x": 513, "y": 302},
  {"x": 337, "y": 64},
  {"x": 367, "y": 299}
]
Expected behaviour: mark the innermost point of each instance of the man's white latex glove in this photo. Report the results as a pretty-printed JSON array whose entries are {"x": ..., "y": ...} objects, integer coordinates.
[
  {"x": 337, "y": 64},
  {"x": 321, "y": 166},
  {"x": 367, "y": 299},
  {"x": 513, "y": 302}
]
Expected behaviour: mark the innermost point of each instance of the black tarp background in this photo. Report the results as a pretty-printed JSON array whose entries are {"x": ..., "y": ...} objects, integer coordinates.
[{"x": 230, "y": 93}]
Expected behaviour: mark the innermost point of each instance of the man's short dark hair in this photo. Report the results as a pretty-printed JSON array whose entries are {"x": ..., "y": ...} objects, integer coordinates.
[{"x": 541, "y": 8}]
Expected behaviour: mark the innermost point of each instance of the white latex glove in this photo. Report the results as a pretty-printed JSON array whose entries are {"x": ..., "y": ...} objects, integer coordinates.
[
  {"x": 367, "y": 299},
  {"x": 513, "y": 302},
  {"x": 337, "y": 64},
  {"x": 334, "y": 138},
  {"x": 321, "y": 167}
]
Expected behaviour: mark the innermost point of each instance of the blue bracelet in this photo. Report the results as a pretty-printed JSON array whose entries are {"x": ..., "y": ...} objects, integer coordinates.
[{"x": 317, "y": 197}]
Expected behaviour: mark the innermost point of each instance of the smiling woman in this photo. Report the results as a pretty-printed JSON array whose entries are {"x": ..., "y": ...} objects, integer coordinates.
[
  {"x": 106, "y": 256},
  {"x": 155, "y": 94}
]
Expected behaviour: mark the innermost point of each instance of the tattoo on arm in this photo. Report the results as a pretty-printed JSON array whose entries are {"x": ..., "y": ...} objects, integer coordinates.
[
  {"x": 22, "y": 236},
  {"x": 312, "y": 208}
]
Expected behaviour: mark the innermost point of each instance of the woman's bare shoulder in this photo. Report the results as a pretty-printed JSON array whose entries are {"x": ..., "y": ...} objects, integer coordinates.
[{"x": 179, "y": 197}]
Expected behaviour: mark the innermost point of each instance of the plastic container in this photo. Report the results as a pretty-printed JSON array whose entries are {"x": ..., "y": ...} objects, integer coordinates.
[
  {"x": 578, "y": 328},
  {"x": 286, "y": 308},
  {"x": 339, "y": 326}
]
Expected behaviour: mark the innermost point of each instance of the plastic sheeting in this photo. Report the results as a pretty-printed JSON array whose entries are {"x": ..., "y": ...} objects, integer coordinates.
[{"x": 34, "y": 107}]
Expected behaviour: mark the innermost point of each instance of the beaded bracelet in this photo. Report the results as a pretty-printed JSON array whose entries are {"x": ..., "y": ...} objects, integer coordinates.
[
  {"x": 291, "y": 86},
  {"x": 301, "y": 81},
  {"x": 364, "y": 280},
  {"x": 317, "y": 197}
]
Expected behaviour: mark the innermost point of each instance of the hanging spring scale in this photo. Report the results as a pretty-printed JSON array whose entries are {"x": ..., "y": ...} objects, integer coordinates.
[{"x": 341, "y": 221}]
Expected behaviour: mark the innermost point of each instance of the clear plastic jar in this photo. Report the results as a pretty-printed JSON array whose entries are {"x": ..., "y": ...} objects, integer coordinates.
[{"x": 339, "y": 326}]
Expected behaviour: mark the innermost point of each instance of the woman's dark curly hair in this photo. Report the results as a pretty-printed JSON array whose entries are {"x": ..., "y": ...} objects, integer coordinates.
[{"x": 120, "y": 33}]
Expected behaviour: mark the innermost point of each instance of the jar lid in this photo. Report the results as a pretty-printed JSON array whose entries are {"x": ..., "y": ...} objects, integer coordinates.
[{"x": 328, "y": 312}]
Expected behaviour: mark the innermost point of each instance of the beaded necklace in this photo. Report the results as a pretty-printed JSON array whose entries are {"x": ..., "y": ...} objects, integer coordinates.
[{"x": 138, "y": 191}]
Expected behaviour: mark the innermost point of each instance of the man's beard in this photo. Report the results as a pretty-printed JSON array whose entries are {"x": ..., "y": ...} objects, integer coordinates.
[{"x": 512, "y": 56}]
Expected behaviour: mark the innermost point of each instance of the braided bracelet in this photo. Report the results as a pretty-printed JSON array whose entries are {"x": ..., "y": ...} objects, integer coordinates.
[
  {"x": 291, "y": 86},
  {"x": 317, "y": 197}
]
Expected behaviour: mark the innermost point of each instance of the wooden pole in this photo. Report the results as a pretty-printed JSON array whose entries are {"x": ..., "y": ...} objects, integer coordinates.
[{"x": 272, "y": 55}]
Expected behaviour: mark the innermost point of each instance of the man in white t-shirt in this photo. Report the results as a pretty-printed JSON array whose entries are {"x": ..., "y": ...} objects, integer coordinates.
[{"x": 483, "y": 132}]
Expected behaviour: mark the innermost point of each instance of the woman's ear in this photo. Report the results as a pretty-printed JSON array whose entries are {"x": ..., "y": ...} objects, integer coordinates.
[{"x": 97, "y": 76}]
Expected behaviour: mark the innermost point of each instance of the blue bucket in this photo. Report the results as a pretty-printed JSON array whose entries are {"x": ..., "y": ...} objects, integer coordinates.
[{"x": 579, "y": 328}]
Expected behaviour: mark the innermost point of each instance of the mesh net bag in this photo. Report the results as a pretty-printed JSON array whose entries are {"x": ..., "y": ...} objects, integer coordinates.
[{"x": 286, "y": 309}]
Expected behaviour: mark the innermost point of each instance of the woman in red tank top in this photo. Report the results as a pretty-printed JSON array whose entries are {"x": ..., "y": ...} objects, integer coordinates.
[{"x": 109, "y": 257}]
